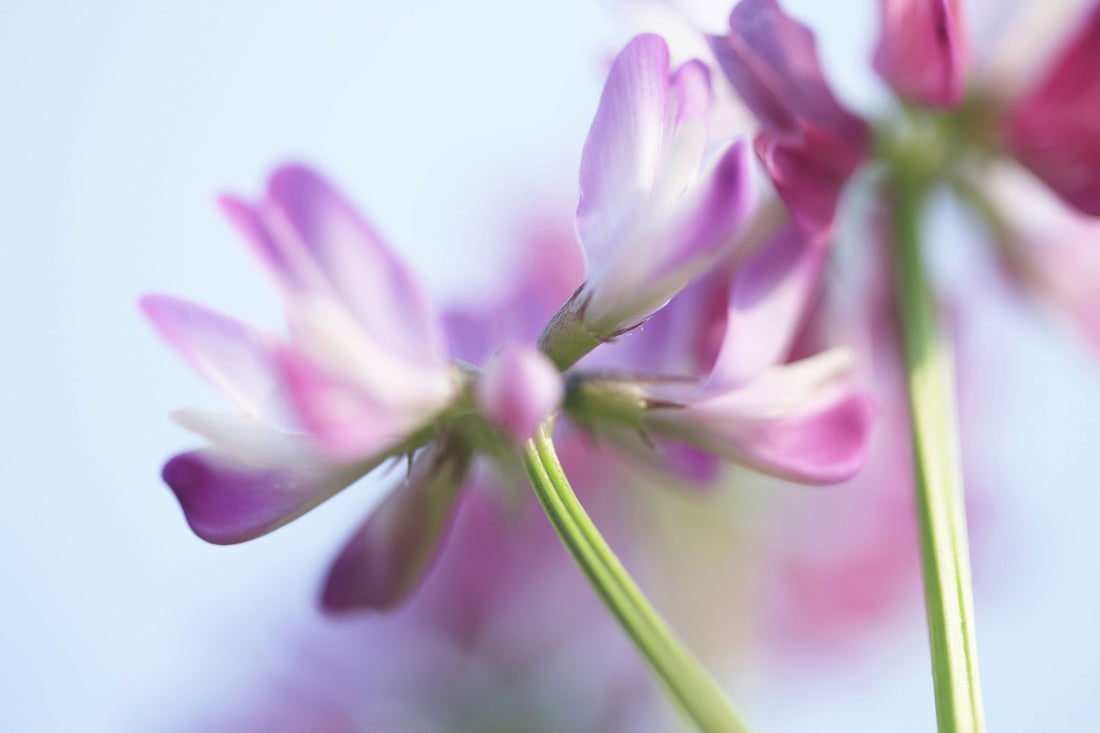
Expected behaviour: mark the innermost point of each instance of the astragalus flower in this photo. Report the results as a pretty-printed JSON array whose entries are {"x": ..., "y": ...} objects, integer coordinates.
[
  {"x": 804, "y": 421},
  {"x": 921, "y": 50},
  {"x": 362, "y": 379},
  {"x": 649, "y": 219},
  {"x": 808, "y": 143}
]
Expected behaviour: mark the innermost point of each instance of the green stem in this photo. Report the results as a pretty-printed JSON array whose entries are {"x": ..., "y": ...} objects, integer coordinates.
[
  {"x": 943, "y": 538},
  {"x": 697, "y": 694}
]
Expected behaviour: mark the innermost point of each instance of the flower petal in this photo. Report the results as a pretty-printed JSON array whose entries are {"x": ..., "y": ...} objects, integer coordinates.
[
  {"x": 1054, "y": 129},
  {"x": 347, "y": 421},
  {"x": 227, "y": 500},
  {"x": 394, "y": 549},
  {"x": 358, "y": 266},
  {"x": 921, "y": 50},
  {"x": 520, "y": 389},
  {"x": 809, "y": 144},
  {"x": 768, "y": 303},
  {"x": 622, "y": 152},
  {"x": 235, "y": 357},
  {"x": 798, "y": 422}
]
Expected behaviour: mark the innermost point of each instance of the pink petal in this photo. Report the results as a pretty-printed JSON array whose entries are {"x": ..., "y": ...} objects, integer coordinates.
[
  {"x": 809, "y": 144},
  {"x": 921, "y": 50},
  {"x": 720, "y": 201},
  {"x": 227, "y": 501},
  {"x": 622, "y": 152},
  {"x": 520, "y": 389},
  {"x": 799, "y": 422},
  {"x": 1054, "y": 129},
  {"x": 358, "y": 266},
  {"x": 689, "y": 94},
  {"x": 394, "y": 549},
  {"x": 235, "y": 357},
  {"x": 768, "y": 303},
  {"x": 347, "y": 421}
]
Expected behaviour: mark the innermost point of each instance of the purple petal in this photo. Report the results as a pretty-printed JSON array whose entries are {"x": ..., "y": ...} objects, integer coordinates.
[
  {"x": 520, "y": 389},
  {"x": 799, "y": 422},
  {"x": 235, "y": 357},
  {"x": 394, "y": 549},
  {"x": 346, "y": 421},
  {"x": 721, "y": 199},
  {"x": 227, "y": 501},
  {"x": 689, "y": 94},
  {"x": 809, "y": 144},
  {"x": 1054, "y": 129},
  {"x": 357, "y": 264},
  {"x": 622, "y": 152},
  {"x": 768, "y": 303},
  {"x": 921, "y": 50}
]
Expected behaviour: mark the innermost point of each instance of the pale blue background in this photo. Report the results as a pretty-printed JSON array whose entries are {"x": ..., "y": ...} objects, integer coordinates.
[{"x": 120, "y": 121}]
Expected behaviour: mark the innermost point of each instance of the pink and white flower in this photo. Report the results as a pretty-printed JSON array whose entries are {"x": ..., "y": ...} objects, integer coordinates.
[{"x": 649, "y": 219}]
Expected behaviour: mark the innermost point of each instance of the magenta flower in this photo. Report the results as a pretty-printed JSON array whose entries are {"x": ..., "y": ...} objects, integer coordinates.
[
  {"x": 361, "y": 380},
  {"x": 809, "y": 145},
  {"x": 921, "y": 50},
  {"x": 1054, "y": 127},
  {"x": 649, "y": 219},
  {"x": 802, "y": 421}
]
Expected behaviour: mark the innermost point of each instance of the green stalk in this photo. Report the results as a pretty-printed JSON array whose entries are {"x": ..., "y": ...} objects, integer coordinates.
[
  {"x": 698, "y": 696},
  {"x": 943, "y": 537}
]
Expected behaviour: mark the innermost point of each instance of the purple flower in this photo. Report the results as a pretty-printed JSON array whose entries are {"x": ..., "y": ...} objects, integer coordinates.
[
  {"x": 921, "y": 50},
  {"x": 1054, "y": 127},
  {"x": 649, "y": 219},
  {"x": 362, "y": 379},
  {"x": 809, "y": 145}
]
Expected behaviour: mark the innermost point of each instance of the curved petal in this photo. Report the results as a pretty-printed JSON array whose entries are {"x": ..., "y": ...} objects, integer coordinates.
[
  {"x": 347, "y": 421},
  {"x": 768, "y": 302},
  {"x": 227, "y": 500},
  {"x": 798, "y": 422},
  {"x": 235, "y": 357},
  {"x": 1054, "y": 129},
  {"x": 622, "y": 152},
  {"x": 394, "y": 549},
  {"x": 809, "y": 144},
  {"x": 357, "y": 264},
  {"x": 921, "y": 50},
  {"x": 520, "y": 389}
]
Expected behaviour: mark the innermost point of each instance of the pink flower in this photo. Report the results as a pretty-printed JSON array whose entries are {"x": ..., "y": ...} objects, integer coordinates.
[
  {"x": 809, "y": 145},
  {"x": 1054, "y": 127},
  {"x": 648, "y": 218},
  {"x": 802, "y": 421},
  {"x": 921, "y": 50}
]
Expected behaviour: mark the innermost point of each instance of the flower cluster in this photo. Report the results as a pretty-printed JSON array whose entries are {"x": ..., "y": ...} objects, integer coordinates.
[{"x": 370, "y": 372}]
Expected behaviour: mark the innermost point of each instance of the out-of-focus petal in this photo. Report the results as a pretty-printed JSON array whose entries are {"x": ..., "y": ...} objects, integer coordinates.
[
  {"x": 520, "y": 389},
  {"x": 809, "y": 144},
  {"x": 393, "y": 550},
  {"x": 235, "y": 357},
  {"x": 1054, "y": 128},
  {"x": 921, "y": 50},
  {"x": 799, "y": 421},
  {"x": 768, "y": 302},
  {"x": 227, "y": 500},
  {"x": 357, "y": 264},
  {"x": 622, "y": 152},
  {"x": 347, "y": 421}
]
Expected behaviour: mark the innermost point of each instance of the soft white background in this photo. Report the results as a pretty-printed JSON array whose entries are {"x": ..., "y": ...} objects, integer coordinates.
[{"x": 119, "y": 122}]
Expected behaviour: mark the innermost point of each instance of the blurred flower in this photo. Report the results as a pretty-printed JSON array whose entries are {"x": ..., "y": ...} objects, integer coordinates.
[
  {"x": 921, "y": 50},
  {"x": 520, "y": 389},
  {"x": 809, "y": 145},
  {"x": 649, "y": 220}
]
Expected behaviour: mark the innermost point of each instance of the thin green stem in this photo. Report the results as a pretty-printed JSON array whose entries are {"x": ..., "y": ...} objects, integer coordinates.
[
  {"x": 943, "y": 537},
  {"x": 697, "y": 694}
]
